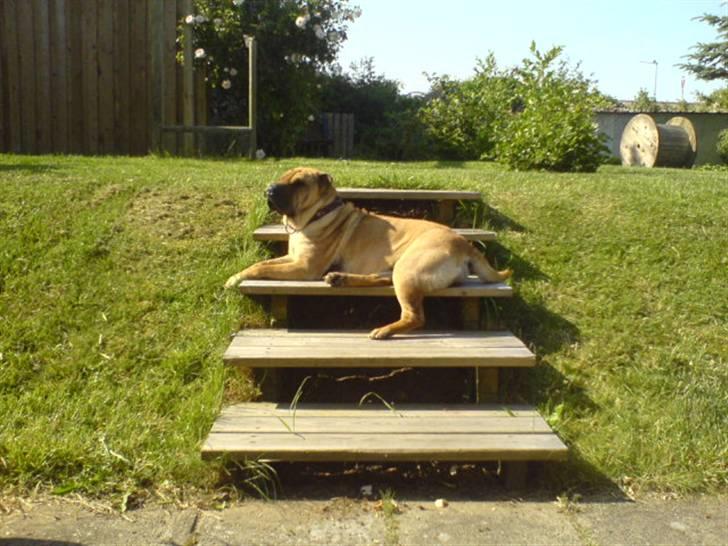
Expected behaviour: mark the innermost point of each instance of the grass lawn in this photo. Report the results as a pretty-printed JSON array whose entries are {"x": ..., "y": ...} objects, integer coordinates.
[{"x": 113, "y": 319}]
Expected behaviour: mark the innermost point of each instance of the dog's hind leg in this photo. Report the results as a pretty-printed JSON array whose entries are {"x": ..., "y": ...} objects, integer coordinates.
[
  {"x": 410, "y": 299},
  {"x": 338, "y": 278}
]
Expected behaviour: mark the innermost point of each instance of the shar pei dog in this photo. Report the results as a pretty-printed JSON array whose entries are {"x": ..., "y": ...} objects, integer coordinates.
[{"x": 348, "y": 246}]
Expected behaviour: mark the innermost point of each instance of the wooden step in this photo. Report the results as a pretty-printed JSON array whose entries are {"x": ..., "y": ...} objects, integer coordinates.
[
  {"x": 388, "y": 194},
  {"x": 277, "y": 233},
  {"x": 270, "y": 348},
  {"x": 275, "y": 432},
  {"x": 471, "y": 288}
]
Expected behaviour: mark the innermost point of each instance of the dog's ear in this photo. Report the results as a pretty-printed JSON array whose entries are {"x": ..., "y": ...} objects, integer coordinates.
[{"x": 325, "y": 181}]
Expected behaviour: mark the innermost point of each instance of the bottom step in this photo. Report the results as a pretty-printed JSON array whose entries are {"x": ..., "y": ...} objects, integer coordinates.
[{"x": 338, "y": 433}]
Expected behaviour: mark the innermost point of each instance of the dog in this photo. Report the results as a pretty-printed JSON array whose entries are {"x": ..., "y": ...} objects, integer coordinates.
[{"x": 348, "y": 246}]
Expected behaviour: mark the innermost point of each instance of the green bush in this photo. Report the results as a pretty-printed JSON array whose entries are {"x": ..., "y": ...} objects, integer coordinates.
[
  {"x": 723, "y": 145},
  {"x": 535, "y": 116},
  {"x": 556, "y": 129}
]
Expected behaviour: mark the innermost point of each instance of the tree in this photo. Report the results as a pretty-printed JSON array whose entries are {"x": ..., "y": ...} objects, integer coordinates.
[
  {"x": 296, "y": 40},
  {"x": 709, "y": 61},
  {"x": 643, "y": 102}
]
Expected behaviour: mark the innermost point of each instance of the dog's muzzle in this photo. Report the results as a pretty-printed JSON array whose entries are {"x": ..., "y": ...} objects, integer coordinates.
[{"x": 279, "y": 198}]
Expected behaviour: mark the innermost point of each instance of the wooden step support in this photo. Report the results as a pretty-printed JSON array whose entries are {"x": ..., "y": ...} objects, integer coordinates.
[{"x": 458, "y": 433}]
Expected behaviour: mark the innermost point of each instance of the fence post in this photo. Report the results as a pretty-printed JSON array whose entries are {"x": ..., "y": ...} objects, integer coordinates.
[
  {"x": 156, "y": 46},
  {"x": 188, "y": 99},
  {"x": 252, "y": 46}
]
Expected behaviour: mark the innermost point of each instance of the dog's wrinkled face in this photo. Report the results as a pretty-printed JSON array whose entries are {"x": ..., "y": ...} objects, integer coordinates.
[{"x": 299, "y": 190}]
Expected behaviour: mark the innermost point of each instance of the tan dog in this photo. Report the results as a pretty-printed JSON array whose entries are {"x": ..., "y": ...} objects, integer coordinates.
[{"x": 351, "y": 247}]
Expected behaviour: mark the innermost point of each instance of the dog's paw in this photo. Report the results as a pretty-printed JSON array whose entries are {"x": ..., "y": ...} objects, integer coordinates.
[
  {"x": 380, "y": 333},
  {"x": 334, "y": 279},
  {"x": 234, "y": 281}
]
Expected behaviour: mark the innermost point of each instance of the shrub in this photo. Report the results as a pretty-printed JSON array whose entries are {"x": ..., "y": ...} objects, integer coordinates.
[
  {"x": 555, "y": 130},
  {"x": 723, "y": 145},
  {"x": 536, "y": 116}
]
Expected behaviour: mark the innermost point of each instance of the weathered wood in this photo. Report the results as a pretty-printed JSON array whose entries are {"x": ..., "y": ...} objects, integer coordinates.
[
  {"x": 414, "y": 195},
  {"x": 155, "y": 27},
  {"x": 188, "y": 97},
  {"x": 277, "y": 232},
  {"x": 60, "y": 70},
  {"x": 139, "y": 104},
  {"x": 285, "y": 348},
  {"x": 122, "y": 83},
  {"x": 42, "y": 74},
  {"x": 169, "y": 65},
  {"x": 76, "y": 107},
  {"x": 308, "y": 409},
  {"x": 210, "y": 129},
  {"x": 89, "y": 39},
  {"x": 515, "y": 474},
  {"x": 26, "y": 53},
  {"x": 106, "y": 76},
  {"x": 445, "y": 212},
  {"x": 649, "y": 144},
  {"x": 471, "y": 288},
  {"x": 279, "y": 310},
  {"x": 14, "y": 137}
]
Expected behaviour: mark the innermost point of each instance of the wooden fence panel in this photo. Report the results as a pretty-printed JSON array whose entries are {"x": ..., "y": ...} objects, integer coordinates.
[
  {"x": 77, "y": 76},
  {"x": 59, "y": 76}
]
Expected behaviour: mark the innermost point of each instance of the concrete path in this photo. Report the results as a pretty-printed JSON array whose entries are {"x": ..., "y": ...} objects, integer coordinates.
[{"x": 344, "y": 521}]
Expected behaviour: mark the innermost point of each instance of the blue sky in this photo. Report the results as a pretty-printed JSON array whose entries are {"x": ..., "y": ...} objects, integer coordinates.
[{"x": 609, "y": 38}]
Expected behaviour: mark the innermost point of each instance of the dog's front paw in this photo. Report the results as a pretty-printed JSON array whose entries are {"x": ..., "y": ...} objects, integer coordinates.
[
  {"x": 380, "y": 333},
  {"x": 334, "y": 279},
  {"x": 234, "y": 281}
]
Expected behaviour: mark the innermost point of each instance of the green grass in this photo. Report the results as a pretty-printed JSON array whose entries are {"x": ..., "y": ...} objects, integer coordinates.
[{"x": 113, "y": 318}]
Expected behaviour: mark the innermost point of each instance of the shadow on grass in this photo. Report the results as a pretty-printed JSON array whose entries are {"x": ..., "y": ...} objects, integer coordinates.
[
  {"x": 522, "y": 268},
  {"x": 499, "y": 221},
  {"x": 449, "y": 164}
]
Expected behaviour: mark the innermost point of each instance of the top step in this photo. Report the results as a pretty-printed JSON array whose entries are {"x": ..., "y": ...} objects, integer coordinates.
[
  {"x": 277, "y": 233},
  {"x": 386, "y": 194}
]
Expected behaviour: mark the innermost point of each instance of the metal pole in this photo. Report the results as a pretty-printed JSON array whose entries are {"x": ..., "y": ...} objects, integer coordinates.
[{"x": 252, "y": 46}]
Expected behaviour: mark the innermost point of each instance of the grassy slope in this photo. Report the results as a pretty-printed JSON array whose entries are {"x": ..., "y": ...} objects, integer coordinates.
[{"x": 113, "y": 320}]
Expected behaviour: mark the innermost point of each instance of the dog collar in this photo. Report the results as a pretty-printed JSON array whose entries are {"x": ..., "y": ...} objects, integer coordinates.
[
  {"x": 320, "y": 213},
  {"x": 335, "y": 204}
]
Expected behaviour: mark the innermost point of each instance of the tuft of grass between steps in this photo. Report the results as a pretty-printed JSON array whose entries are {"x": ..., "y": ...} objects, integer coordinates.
[{"x": 113, "y": 319}]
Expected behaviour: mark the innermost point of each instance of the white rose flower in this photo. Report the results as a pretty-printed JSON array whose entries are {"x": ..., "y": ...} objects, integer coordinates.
[
  {"x": 199, "y": 53},
  {"x": 233, "y": 72},
  {"x": 259, "y": 153},
  {"x": 237, "y": 2},
  {"x": 190, "y": 19},
  {"x": 217, "y": 21},
  {"x": 311, "y": 117},
  {"x": 301, "y": 21},
  {"x": 200, "y": 19},
  {"x": 226, "y": 84}
]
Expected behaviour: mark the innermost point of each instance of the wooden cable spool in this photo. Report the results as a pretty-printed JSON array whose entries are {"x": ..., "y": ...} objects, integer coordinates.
[{"x": 648, "y": 144}]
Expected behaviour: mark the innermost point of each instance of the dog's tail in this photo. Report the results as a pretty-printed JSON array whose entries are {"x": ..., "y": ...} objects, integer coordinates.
[{"x": 486, "y": 272}]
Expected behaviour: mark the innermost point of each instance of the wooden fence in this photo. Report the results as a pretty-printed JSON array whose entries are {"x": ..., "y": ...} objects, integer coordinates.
[{"x": 78, "y": 76}]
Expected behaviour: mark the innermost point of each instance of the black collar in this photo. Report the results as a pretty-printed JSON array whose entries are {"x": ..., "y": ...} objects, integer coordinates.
[{"x": 323, "y": 211}]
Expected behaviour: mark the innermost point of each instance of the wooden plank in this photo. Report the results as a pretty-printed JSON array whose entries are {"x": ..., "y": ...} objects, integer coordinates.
[
  {"x": 313, "y": 410},
  {"x": 139, "y": 105},
  {"x": 76, "y": 108},
  {"x": 471, "y": 288},
  {"x": 169, "y": 65},
  {"x": 59, "y": 76},
  {"x": 389, "y": 447},
  {"x": 277, "y": 232},
  {"x": 188, "y": 98},
  {"x": 26, "y": 49},
  {"x": 42, "y": 72},
  {"x": 212, "y": 129},
  {"x": 106, "y": 76},
  {"x": 122, "y": 83},
  {"x": 414, "y": 195},
  {"x": 8, "y": 9},
  {"x": 90, "y": 76},
  {"x": 155, "y": 39},
  {"x": 272, "y": 348}
]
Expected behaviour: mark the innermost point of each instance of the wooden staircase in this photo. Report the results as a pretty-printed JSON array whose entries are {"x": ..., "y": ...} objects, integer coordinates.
[{"x": 274, "y": 430}]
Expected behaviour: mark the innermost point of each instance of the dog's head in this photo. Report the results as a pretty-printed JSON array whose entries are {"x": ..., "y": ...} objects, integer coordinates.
[{"x": 299, "y": 193}]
